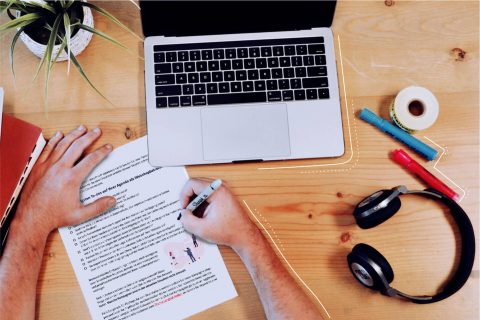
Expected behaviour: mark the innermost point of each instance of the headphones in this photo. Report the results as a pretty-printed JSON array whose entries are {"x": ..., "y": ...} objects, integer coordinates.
[{"x": 371, "y": 268}]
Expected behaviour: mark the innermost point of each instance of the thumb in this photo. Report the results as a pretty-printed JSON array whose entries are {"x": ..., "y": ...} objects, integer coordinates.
[
  {"x": 97, "y": 207},
  {"x": 192, "y": 224}
]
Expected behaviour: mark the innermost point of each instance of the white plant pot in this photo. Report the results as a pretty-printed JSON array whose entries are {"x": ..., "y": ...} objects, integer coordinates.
[{"x": 78, "y": 42}]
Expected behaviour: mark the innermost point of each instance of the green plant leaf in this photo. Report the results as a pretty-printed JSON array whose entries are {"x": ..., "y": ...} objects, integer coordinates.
[
  {"x": 41, "y": 5},
  {"x": 68, "y": 36},
  {"x": 12, "y": 48},
  {"x": 48, "y": 53},
  {"x": 62, "y": 47},
  {"x": 111, "y": 17},
  {"x": 20, "y": 21},
  {"x": 101, "y": 34}
]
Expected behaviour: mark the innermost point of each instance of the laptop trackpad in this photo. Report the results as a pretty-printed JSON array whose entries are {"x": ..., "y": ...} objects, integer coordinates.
[{"x": 245, "y": 132}]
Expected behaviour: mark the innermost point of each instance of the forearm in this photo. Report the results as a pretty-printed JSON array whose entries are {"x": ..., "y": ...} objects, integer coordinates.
[
  {"x": 281, "y": 296},
  {"x": 19, "y": 268}
]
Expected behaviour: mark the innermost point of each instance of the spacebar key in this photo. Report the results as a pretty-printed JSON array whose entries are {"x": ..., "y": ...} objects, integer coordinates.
[{"x": 237, "y": 98}]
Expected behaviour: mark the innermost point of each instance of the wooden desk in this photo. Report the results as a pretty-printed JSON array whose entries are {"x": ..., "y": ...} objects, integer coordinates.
[{"x": 306, "y": 210}]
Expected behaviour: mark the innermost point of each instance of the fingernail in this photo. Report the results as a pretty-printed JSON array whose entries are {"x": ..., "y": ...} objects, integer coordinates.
[
  {"x": 81, "y": 128},
  {"x": 96, "y": 130},
  {"x": 112, "y": 202},
  {"x": 108, "y": 147},
  {"x": 57, "y": 134}
]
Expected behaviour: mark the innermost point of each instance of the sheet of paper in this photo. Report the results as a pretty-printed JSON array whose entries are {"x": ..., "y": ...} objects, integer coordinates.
[{"x": 136, "y": 261}]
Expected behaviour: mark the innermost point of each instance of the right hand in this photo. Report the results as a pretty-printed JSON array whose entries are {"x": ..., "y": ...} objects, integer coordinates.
[{"x": 224, "y": 221}]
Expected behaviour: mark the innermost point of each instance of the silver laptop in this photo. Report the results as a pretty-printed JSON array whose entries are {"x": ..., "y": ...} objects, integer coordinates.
[{"x": 234, "y": 81}]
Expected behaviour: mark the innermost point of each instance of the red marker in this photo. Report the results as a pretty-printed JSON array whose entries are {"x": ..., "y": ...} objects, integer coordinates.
[{"x": 402, "y": 158}]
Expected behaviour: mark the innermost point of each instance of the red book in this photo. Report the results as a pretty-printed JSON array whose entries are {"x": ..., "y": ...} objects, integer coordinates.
[{"x": 20, "y": 146}]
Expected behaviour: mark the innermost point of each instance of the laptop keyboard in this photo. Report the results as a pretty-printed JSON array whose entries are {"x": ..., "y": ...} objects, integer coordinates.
[{"x": 253, "y": 71}]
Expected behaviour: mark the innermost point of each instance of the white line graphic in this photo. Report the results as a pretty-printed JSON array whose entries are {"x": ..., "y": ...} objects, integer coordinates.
[{"x": 286, "y": 261}]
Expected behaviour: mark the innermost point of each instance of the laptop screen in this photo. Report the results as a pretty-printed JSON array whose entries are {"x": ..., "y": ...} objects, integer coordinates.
[{"x": 185, "y": 18}]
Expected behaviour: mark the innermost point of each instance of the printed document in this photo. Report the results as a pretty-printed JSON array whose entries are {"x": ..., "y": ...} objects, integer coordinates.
[{"x": 136, "y": 261}]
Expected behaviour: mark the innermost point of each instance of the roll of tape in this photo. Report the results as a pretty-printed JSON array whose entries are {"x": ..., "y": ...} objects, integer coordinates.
[{"x": 414, "y": 109}]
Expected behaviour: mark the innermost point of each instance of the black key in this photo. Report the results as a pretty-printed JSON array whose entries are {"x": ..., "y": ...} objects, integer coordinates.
[
  {"x": 237, "y": 64},
  {"x": 308, "y": 60},
  {"x": 202, "y": 66},
  {"x": 274, "y": 95},
  {"x": 302, "y": 49},
  {"x": 223, "y": 87},
  {"x": 272, "y": 85},
  {"x": 217, "y": 76},
  {"x": 323, "y": 94},
  {"x": 247, "y": 85},
  {"x": 253, "y": 75},
  {"x": 242, "y": 53},
  {"x": 237, "y": 98},
  {"x": 163, "y": 68},
  {"x": 254, "y": 52},
  {"x": 199, "y": 100},
  {"x": 261, "y": 63},
  {"x": 168, "y": 90},
  {"x": 284, "y": 84},
  {"x": 181, "y": 78},
  {"x": 260, "y": 85},
  {"x": 266, "y": 51},
  {"x": 320, "y": 60},
  {"x": 249, "y": 63},
  {"x": 193, "y": 78},
  {"x": 200, "y": 88},
  {"x": 171, "y": 57},
  {"x": 300, "y": 72},
  {"x": 229, "y": 75},
  {"x": 241, "y": 75},
  {"x": 213, "y": 65},
  {"x": 290, "y": 50},
  {"x": 189, "y": 66},
  {"x": 273, "y": 62},
  {"x": 236, "y": 86},
  {"x": 299, "y": 94},
  {"x": 219, "y": 54},
  {"x": 162, "y": 102},
  {"x": 178, "y": 67},
  {"x": 311, "y": 94},
  {"x": 187, "y": 89},
  {"x": 277, "y": 73},
  {"x": 195, "y": 55},
  {"x": 207, "y": 55},
  {"x": 288, "y": 72},
  {"x": 278, "y": 51},
  {"x": 315, "y": 82},
  {"x": 295, "y": 83},
  {"x": 225, "y": 65},
  {"x": 212, "y": 88},
  {"x": 164, "y": 79},
  {"x": 285, "y": 62},
  {"x": 264, "y": 73},
  {"x": 317, "y": 71},
  {"x": 230, "y": 53},
  {"x": 173, "y": 102},
  {"x": 185, "y": 101},
  {"x": 287, "y": 95},
  {"x": 159, "y": 57},
  {"x": 316, "y": 49},
  {"x": 297, "y": 61},
  {"x": 183, "y": 56}
]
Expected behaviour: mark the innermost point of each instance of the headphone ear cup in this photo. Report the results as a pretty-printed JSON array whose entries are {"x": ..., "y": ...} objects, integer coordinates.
[
  {"x": 360, "y": 264},
  {"x": 379, "y": 216}
]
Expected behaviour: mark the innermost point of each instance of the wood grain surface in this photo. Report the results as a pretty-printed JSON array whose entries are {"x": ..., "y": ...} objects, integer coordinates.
[{"x": 307, "y": 210}]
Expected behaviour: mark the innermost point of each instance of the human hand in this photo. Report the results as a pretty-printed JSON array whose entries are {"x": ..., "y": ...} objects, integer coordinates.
[
  {"x": 51, "y": 195},
  {"x": 224, "y": 221}
]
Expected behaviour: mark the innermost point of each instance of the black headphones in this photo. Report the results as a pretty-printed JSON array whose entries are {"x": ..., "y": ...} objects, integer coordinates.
[{"x": 373, "y": 271}]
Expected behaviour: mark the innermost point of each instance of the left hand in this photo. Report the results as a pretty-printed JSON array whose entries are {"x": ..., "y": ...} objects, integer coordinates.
[{"x": 51, "y": 195}]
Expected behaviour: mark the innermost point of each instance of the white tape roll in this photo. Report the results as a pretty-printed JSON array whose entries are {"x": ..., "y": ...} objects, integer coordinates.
[{"x": 414, "y": 109}]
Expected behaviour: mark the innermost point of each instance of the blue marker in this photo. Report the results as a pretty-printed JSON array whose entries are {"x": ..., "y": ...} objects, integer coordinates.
[{"x": 422, "y": 148}]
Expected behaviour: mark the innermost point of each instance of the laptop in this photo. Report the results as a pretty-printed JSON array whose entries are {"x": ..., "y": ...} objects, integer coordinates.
[{"x": 240, "y": 81}]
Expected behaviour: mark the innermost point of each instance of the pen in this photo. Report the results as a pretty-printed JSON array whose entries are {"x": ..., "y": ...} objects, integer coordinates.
[
  {"x": 207, "y": 192},
  {"x": 402, "y": 158}
]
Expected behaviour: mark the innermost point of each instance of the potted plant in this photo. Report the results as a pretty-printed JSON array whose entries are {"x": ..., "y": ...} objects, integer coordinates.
[{"x": 55, "y": 30}]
